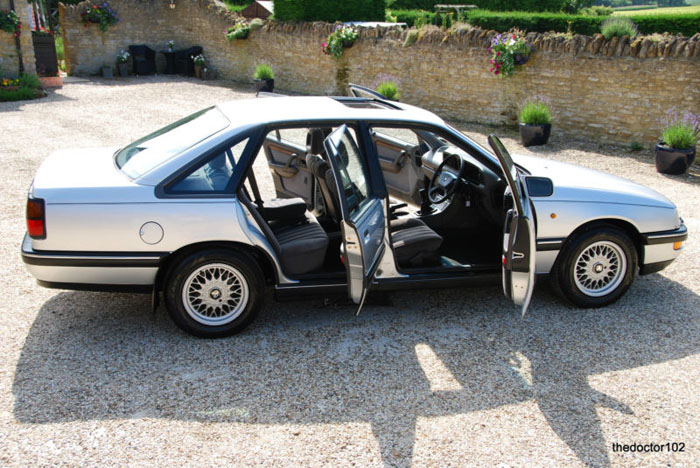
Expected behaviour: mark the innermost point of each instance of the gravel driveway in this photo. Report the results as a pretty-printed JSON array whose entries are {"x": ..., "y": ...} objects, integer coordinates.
[{"x": 434, "y": 378}]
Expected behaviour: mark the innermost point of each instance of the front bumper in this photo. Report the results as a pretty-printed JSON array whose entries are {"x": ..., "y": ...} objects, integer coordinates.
[
  {"x": 660, "y": 249},
  {"x": 91, "y": 270}
]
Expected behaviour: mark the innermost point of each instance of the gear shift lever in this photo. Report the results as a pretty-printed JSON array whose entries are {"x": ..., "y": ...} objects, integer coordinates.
[{"x": 425, "y": 207}]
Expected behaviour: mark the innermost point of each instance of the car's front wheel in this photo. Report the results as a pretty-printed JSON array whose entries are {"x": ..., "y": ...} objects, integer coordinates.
[
  {"x": 596, "y": 267},
  {"x": 214, "y": 293}
]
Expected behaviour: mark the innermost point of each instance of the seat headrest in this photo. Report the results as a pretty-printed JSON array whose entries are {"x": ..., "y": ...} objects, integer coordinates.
[
  {"x": 314, "y": 140},
  {"x": 317, "y": 165}
]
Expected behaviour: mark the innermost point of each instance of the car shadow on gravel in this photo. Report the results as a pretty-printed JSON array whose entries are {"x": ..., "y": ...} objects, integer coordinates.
[{"x": 91, "y": 356}]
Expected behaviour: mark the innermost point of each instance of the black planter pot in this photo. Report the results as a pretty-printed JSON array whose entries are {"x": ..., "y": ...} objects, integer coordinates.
[
  {"x": 533, "y": 135},
  {"x": 520, "y": 59},
  {"x": 673, "y": 161},
  {"x": 265, "y": 86}
]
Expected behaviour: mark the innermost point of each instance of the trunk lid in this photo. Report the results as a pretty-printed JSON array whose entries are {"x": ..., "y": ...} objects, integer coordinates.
[{"x": 86, "y": 175}]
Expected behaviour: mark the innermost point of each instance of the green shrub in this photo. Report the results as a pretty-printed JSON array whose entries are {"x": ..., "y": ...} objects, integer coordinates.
[
  {"x": 413, "y": 17},
  {"x": 27, "y": 80},
  {"x": 534, "y": 22},
  {"x": 636, "y": 146},
  {"x": 686, "y": 24},
  {"x": 597, "y": 11},
  {"x": 680, "y": 136},
  {"x": 496, "y": 5},
  {"x": 389, "y": 90},
  {"x": 330, "y": 10},
  {"x": 535, "y": 112},
  {"x": 20, "y": 94},
  {"x": 264, "y": 72},
  {"x": 618, "y": 26}
]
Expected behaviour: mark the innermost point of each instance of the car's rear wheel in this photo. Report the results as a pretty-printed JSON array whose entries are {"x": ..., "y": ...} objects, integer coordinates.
[
  {"x": 214, "y": 293},
  {"x": 596, "y": 267}
]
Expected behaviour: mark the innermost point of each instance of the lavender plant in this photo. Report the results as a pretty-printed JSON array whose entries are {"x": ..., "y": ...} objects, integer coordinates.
[{"x": 681, "y": 131}]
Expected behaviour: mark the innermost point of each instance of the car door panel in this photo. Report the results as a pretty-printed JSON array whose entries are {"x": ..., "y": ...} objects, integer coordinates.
[
  {"x": 518, "y": 234},
  {"x": 397, "y": 160},
  {"x": 364, "y": 218},
  {"x": 287, "y": 165}
]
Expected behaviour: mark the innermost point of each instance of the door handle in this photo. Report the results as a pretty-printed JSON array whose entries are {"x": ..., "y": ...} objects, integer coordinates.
[
  {"x": 518, "y": 256},
  {"x": 366, "y": 233}
]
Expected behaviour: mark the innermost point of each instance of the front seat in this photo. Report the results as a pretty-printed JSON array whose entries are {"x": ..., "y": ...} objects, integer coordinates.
[{"x": 414, "y": 243}]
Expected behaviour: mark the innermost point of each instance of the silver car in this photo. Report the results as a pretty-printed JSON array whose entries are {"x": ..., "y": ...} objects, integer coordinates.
[{"x": 319, "y": 195}]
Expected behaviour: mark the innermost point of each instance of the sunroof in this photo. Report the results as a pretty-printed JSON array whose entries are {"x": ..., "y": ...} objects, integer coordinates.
[{"x": 365, "y": 103}]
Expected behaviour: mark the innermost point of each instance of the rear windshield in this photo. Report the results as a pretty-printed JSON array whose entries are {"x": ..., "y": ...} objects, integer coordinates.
[{"x": 153, "y": 150}]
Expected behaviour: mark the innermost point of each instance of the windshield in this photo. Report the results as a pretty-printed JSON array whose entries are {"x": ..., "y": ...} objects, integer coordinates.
[{"x": 153, "y": 150}]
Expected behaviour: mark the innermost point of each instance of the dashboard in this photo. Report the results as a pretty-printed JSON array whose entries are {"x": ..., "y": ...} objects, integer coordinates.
[{"x": 485, "y": 186}]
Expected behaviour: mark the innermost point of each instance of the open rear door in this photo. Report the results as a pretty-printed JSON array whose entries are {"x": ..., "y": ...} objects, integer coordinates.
[
  {"x": 518, "y": 234},
  {"x": 363, "y": 213}
]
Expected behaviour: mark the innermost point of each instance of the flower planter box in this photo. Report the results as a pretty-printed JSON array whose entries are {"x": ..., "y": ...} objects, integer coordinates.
[
  {"x": 45, "y": 55},
  {"x": 534, "y": 135},
  {"x": 673, "y": 161},
  {"x": 51, "y": 81}
]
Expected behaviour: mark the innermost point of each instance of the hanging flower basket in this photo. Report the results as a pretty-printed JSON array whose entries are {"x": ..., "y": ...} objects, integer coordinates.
[
  {"x": 9, "y": 22},
  {"x": 101, "y": 15}
]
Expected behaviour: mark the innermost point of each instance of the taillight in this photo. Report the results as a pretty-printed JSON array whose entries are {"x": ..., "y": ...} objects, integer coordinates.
[{"x": 36, "y": 218}]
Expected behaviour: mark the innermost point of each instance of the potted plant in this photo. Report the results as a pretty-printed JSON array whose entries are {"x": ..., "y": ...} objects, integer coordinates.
[
  {"x": 107, "y": 71},
  {"x": 388, "y": 86},
  {"x": 123, "y": 63},
  {"x": 199, "y": 62},
  {"x": 535, "y": 122},
  {"x": 676, "y": 151},
  {"x": 264, "y": 78}
]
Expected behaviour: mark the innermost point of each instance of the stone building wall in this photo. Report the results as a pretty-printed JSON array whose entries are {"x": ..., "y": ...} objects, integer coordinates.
[
  {"x": 604, "y": 90},
  {"x": 9, "y": 62}
]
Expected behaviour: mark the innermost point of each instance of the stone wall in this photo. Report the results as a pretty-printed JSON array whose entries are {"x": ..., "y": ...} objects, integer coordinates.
[
  {"x": 604, "y": 90},
  {"x": 9, "y": 62}
]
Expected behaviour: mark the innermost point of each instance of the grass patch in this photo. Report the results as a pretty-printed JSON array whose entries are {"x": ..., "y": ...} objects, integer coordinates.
[
  {"x": 20, "y": 94},
  {"x": 236, "y": 5},
  {"x": 658, "y": 11}
]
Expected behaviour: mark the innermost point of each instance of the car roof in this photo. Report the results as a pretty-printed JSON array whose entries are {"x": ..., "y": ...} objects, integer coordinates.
[{"x": 289, "y": 109}]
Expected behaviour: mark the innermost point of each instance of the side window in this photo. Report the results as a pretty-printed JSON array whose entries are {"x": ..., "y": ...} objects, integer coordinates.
[
  {"x": 404, "y": 136},
  {"x": 213, "y": 176},
  {"x": 353, "y": 175}
]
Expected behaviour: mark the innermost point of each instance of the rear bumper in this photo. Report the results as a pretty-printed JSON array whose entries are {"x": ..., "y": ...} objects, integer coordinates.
[
  {"x": 101, "y": 271},
  {"x": 659, "y": 249}
]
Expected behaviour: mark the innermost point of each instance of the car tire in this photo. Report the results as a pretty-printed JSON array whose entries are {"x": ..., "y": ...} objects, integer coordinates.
[
  {"x": 214, "y": 293},
  {"x": 595, "y": 268}
]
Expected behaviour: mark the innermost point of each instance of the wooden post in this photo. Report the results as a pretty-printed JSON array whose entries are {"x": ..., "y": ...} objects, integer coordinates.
[{"x": 18, "y": 46}]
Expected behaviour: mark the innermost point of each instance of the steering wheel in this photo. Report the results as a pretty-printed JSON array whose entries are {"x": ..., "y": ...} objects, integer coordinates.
[{"x": 444, "y": 184}]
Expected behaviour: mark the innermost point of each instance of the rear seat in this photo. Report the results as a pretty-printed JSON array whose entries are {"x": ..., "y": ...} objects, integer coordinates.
[{"x": 302, "y": 247}]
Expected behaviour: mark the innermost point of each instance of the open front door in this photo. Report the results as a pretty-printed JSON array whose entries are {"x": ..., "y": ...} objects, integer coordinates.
[
  {"x": 363, "y": 213},
  {"x": 518, "y": 234}
]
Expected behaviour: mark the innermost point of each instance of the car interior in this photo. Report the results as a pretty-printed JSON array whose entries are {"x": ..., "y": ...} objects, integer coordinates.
[{"x": 433, "y": 225}]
